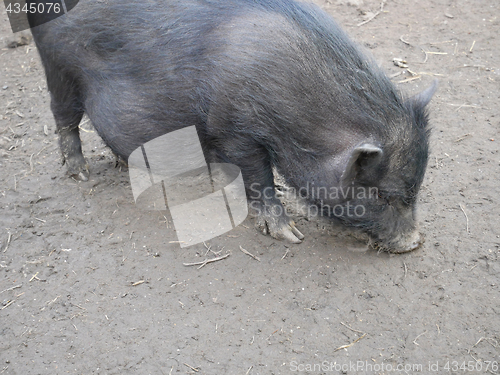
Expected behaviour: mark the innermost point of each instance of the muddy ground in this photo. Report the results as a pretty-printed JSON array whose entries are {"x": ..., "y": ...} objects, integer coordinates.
[{"x": 90, "y": 283}]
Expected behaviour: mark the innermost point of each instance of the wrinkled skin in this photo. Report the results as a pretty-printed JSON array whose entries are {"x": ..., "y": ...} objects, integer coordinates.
[{"x": 269, "y": 84}]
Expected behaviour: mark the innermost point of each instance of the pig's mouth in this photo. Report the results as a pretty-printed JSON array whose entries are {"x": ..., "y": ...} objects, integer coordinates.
[{"x": 397, "y": 247}]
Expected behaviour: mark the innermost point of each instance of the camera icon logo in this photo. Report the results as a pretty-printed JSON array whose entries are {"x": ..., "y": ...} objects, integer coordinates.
[{"x": 205, "y": 200}]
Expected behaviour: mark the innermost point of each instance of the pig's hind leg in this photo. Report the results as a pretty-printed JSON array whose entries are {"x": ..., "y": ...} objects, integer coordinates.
[{"x": 68, "y": 112}]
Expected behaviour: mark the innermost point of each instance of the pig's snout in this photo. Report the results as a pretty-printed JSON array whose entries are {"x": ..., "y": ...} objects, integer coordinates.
[
  {"x": 410, "y": 243},
  {"x": 402, "y": 242}
]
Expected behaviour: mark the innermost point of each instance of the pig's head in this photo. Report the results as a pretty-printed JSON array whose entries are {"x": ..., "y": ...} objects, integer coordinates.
[
  {"x": 395, "y": 166},
  {"x": 380, "y": 178}
]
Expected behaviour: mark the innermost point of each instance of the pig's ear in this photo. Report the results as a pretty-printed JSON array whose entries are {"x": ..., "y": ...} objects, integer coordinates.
[
  {"x": 363, "y": 158},
  {"x": 422, "y": 99}
]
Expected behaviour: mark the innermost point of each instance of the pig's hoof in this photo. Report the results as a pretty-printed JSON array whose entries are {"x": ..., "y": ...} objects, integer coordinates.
[
  {"x": 279, "y": 228},
  {"x": 81, "y": 176},
  {"x": 78, "y": 170}
]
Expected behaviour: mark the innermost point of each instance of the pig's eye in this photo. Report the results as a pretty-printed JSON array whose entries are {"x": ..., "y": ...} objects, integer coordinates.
[
  {"x": 383, "y": 197},
  {"x": 386, "y": 199}
]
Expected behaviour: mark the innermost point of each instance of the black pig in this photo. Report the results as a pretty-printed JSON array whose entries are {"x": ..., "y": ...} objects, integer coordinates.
[{"x": 268, "y": 84}]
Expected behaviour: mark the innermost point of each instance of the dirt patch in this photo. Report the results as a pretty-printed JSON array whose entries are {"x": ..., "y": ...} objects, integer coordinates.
[{"x": 89, "y": 283}]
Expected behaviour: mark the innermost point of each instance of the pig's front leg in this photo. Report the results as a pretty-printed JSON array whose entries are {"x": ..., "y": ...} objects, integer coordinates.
[
  {"x": 271, "y": 216},
  {"x": 272, "y": 219}
]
